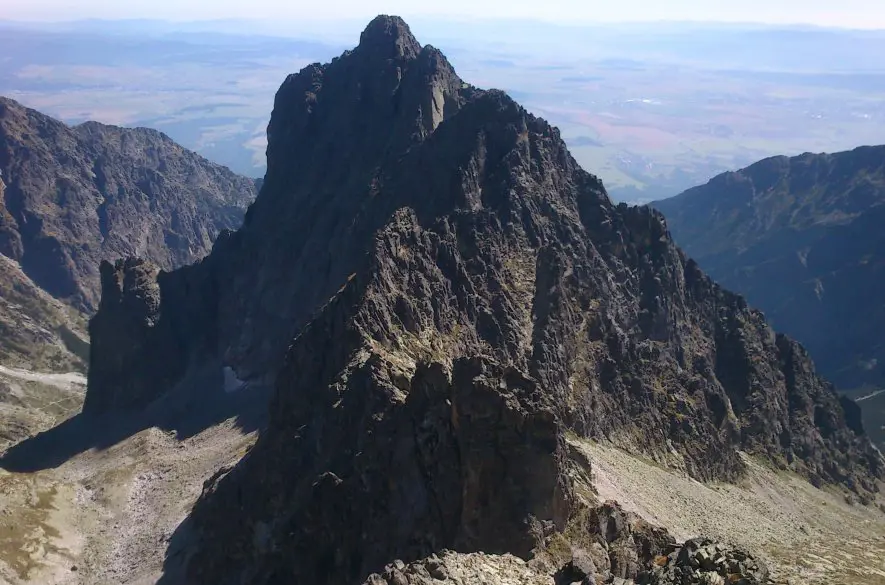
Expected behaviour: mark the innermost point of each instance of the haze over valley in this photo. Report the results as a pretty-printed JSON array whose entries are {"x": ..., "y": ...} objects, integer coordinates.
[{"x": 653, "y": 109}]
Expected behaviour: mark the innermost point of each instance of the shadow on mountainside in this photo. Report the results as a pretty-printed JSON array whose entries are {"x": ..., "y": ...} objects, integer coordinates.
[
  {"x": 195, "y": 404},
  {"x": 872, "y": 407},
  {"x": 178, "y": 554}
]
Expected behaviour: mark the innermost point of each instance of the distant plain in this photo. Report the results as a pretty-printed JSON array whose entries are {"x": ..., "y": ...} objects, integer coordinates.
[{"x": 652, "y": 109}]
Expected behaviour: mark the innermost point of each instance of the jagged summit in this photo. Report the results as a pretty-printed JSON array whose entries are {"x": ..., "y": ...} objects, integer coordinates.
[
  {"x": 440, "y": 294},
  {"x": 333, "y": 131},
  {"x": 101, "y": 130},
  {"x": 389, "y": 37}
]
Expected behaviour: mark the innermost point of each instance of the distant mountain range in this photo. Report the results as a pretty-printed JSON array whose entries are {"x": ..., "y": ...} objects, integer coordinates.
[
  {"x": 77, "y": 195},
  {"x": 71, "y": 197},
  {"x": 802, "y": 238},
  {"x": 443, "y": 297}
]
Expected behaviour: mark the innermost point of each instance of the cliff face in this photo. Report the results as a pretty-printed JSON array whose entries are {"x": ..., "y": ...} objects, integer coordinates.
[
  {"x": 36, "y": 331},
  {"x": 77, "y": 195},
  {"x": 801, "y": 238},
  {"x": 441, "y": 294}
]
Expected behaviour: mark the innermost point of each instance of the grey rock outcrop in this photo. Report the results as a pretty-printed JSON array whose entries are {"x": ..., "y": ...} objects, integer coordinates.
[
  {"x": 702, "y": 561},
  {"x": 656, "y": 559},
  {"x": 441, "y": 293},
  {"x": 605, "y": 543},
  {"x": 452, "y": 568}
]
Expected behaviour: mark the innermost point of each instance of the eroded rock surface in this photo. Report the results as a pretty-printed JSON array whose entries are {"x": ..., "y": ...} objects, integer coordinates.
[
  {"x": 441, "y": 294},
  {"x": 801, "y": 238},
  {"x": 452, "y": 568},
  {"x": 78, "y": 195}
]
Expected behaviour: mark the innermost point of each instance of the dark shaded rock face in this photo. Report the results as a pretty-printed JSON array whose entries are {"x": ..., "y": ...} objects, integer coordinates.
[
  {"x": 471, "y": 462},
  {"x": 78, "y": 195},
  {"x": 802, "y": 239},
  {"x": 441, "y": 293},
  {"x": 127, "y": 327}
]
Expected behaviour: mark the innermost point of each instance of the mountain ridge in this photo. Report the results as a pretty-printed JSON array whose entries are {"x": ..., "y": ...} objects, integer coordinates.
[
  {"x": 828, "y": 201},
  {"x": 69, "y": 197},
  {"x": 76, "y": 195},
  {"x": 437, "y": 320},
  {"x": 800, "y": 238}
]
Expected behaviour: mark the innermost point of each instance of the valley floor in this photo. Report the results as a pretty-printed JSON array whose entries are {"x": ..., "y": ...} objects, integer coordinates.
[
  {"x": 808, "y": 536},
  {"x": 31, "y": 402},
  {"x": 107, "y": 516},
  {"x": 96, "y": 500},
  {"x": 57, "y": 380}
]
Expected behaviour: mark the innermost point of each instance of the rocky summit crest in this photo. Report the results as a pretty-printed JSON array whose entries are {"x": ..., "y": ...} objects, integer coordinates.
[
  {"x": 441, "y": 296},
  {"x": 389, "y": 37}
]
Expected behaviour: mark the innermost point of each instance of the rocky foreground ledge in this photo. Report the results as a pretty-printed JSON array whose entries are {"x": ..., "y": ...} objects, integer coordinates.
[
  {"x": 704, "y": 562},
  {"x": 699, "y": 561}
]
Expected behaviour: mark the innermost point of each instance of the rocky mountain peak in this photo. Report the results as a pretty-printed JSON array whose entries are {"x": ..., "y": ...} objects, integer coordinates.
[
  {"x": 378, "y": 99},
  {"x": 442, "y": 296},
  {"x": 389, "y": 37}
]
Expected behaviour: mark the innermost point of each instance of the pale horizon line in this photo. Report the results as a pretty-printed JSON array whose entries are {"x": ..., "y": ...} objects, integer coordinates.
[{"x": 450, "y": 19}]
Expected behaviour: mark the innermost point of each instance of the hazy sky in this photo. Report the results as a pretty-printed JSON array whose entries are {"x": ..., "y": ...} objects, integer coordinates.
[{"x": 841, "y": 13}]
